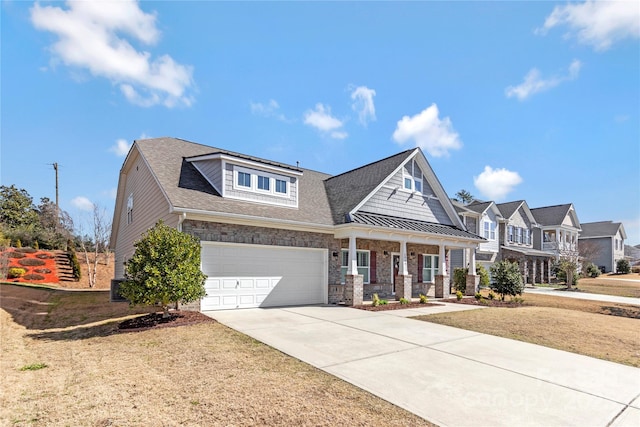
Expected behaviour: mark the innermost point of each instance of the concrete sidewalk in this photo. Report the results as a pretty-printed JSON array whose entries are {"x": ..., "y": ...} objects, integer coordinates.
[
  {"x": 449, "y": 376},
  {"x": 583, "y": 295}
]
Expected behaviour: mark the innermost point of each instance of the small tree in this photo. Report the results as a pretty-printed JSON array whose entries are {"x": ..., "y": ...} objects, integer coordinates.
[
  {"x": 568, "y": 267},
  {"x": 484, "y": 275},
  {"x": 460, "y": 279},
  {"x": 164, "y": 269},
  {"x": 623, "y": 267},
  {"x": 507, "y": 279}
]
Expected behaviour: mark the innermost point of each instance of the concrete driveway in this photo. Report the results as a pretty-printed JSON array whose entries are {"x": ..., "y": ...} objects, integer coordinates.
[{"x": 449, "y": 376}]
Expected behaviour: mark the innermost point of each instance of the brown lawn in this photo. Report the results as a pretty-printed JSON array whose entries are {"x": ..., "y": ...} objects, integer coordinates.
[
  {"x": 612, "y": 284},
  {"x": 591, "y": 328},
  {"x": 197, "y": 375}
]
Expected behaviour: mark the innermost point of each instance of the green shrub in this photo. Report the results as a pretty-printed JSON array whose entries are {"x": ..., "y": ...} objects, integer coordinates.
[
  {"x": 16, "y": 272},
  {"x": 517, "y": 300},
  {"x": 423, "y": 299},
  {"x": 484, "y": 275},
  {"x": 460, "y": 279},
  {"x": 459, "y": 295},
  {"x": 623, "y": 266},
  {"x": 164, "y": 269},
  {"x": 404, "y": 301},
  {"x": 384, "y": 302},
  {"x": 18, "y": 243},
  {"x": 376, "y": 300},
  {"x": 492, "y": 296},
  {"x": 592, "y": 270},
  {"x": 75, "y": 265},
  {"x": 33, "y": 276},
  {"x": 478, "y": 296},
  {"x": 31, "y": 262},
  {"x": 506, "y": 279}
]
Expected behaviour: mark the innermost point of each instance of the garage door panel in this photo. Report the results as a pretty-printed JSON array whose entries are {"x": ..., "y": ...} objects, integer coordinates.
[{"x": 243, "y": 275}]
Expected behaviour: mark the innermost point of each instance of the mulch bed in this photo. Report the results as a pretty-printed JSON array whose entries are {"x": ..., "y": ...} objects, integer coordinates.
[
  {"x": 155, "y": 321},
  {"x": 394, "y": 306},
  {"x": 485, "y": 302}
]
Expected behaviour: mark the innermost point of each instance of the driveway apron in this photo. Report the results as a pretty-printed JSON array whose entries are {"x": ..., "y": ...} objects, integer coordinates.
[{"x": 446, "y": 375}]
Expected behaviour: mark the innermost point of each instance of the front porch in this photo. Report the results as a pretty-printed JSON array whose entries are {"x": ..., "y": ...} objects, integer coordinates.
[{"x": 535, "y": 265}]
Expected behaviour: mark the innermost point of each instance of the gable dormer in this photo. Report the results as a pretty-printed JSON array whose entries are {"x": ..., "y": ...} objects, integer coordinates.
[{"x": 250, "y": 179}]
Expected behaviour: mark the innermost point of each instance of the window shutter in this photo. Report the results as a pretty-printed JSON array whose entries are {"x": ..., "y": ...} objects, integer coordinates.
[
  {"x": 372, "y": 267},
  {"x": 420, "y": 265}
]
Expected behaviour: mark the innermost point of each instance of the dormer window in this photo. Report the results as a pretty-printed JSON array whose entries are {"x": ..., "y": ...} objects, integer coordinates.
[
  {"x": 281, "y": 186},
  {"x": 244, "y": 179},
  {"x": 263, "y": 183},
  {"x": 412, "y": 177}
]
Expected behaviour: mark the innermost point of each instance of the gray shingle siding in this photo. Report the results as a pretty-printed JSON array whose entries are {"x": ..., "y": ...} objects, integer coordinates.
[
  {"x": 230, "y": 191},
  {"x": 393, "y": 200},
  {"x": 212, "y": 170}
]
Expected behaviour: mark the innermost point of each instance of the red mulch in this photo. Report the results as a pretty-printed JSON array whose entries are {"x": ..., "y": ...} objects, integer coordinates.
[
  {"x": 49, "y": 264},
  {"x": 394, "y": 306},
  {"x": 155, "y": 321}
]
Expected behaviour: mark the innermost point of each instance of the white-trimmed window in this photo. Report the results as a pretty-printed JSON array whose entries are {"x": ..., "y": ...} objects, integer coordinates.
[
  {"x": 363, "y": 265},
  {"x": 244, "y": 179},
  {"x": 130, "y": 209},
  {"x": 527, "y": 236},
  {"x": 260, "y": 182},
  {"x": 429, "y": 267},
  {"x": 518, "y": 235},
  {"x": 486, "y": 230},
  {"x": 412, "y": 177},
  {"x": 493, "y": 231},
  {"x": 510, "y": 228},
  {"x": 263, "y": 183},
  {"x": 281, "y": 186}
]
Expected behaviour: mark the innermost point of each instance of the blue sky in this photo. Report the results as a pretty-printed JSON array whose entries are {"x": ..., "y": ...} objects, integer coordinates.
[{"x": 509, "y": 100}]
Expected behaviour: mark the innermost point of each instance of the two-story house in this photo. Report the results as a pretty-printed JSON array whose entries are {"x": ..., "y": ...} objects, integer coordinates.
[
  {"x": 274, "y": 234},
  {"x": 517, "y": 229},
  {"x": 483, "y": 219},
  {"x": 558, "y": 230},
  {"x": 606, "y": 241}
]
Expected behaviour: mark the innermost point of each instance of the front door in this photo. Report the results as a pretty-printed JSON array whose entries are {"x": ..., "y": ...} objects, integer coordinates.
[{"x": 396, "y": 269}]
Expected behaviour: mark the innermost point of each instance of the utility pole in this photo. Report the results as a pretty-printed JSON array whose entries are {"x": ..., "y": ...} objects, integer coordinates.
[{"x": 55, "y": 167}]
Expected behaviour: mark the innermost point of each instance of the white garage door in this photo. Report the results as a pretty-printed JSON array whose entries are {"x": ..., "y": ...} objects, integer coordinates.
[{"x": 244, "y": 276}]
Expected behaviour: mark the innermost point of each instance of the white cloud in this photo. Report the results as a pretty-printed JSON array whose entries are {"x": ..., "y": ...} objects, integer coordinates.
[
  {"x": 597, "y": 23},
  {"x": 495, "y": 184},
  {"x": 534, "y": 83},
  {"x": 429, "y": 132},
  {"x": 362, "y": 98},
  {"x": 120, "y": 148},
  {"x": 270, "y": 109},
  {"x": 82, "y": 203},
  {"x": 321, "y": 119},
  {"x": 92, "y": 35}
]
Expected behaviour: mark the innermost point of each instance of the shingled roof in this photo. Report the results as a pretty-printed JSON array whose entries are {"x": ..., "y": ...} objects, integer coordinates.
[
  {"x": 552, "y": 215},
  {"x": 186, "y": 188},
  {"x": 346, "y": 190},
  {"x": 601, "y": 229},
  {"x": 478, "y": 207},
  {"x": 509, "y": 208}
]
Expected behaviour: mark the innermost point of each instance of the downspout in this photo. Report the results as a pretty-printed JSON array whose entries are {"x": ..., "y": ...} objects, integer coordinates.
[{"x": 181, "y": 219}]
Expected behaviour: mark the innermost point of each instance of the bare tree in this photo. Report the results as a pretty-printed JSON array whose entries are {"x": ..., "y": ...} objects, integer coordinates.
[
  {"x": 589, "y": 252},
  {"x": 98, "y": 242}
]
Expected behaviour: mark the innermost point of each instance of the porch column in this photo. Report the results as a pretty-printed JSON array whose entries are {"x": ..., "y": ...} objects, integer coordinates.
[
  {"x": 403, "y": 281},
  {"x": 441, "y": 278},
  {"x": 534, "y": 265},
  {"x": 472, "y": 279},
  {"x": 548, "y": 271},
  {"x": 353, "y": 282}
]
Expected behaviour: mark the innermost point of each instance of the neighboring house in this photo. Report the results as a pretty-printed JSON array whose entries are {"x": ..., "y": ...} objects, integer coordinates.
[
  {"x": 481, "y": 218},
  {"x": 606, "y": 239},
  {"x": 273, "y": 234},
  {"x": 517, "y": 228},
  {"x": 558, "y": 229}
]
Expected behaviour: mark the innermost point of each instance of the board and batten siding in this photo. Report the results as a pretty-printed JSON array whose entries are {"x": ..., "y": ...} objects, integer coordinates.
[
  {"x": 393, "y": 200},
  {"x": 230, "y": 191},
  {"x": 212, "y": 170},
  {"x": 149, "y": 206}
]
